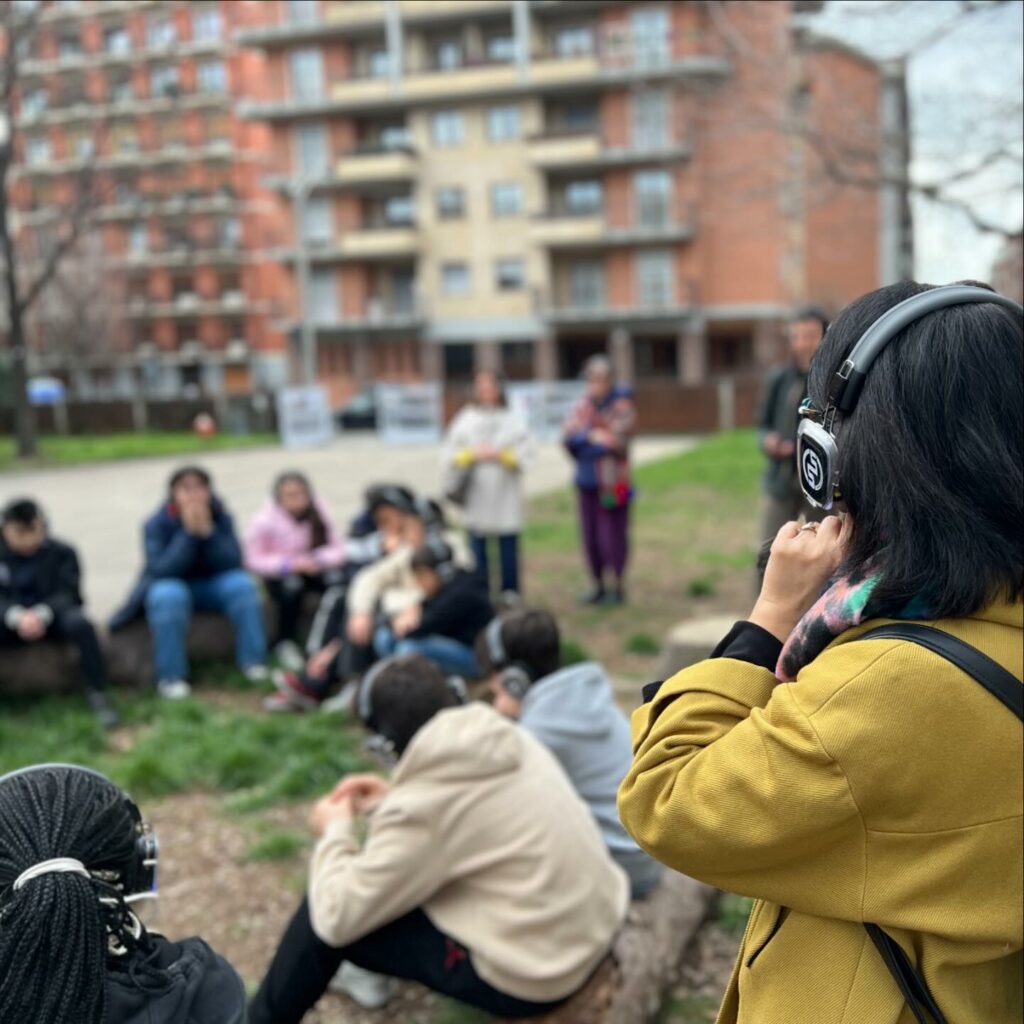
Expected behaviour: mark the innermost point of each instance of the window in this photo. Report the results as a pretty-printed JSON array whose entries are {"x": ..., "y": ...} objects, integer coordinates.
[
  {"x": 650, "y": 37},
  {"x": 121, "y": 92},
  {"x": 81, "y": 145},
  {"x": 652, "y": 192},
  {"x": 323, "y": 297},
  {"x": 506, "y": 198},
  {"x": 517, "y": 360},
  {"x": 378, "y": 63},
  {"x": 509, "y": 275},
  {"x": 316, "y": 222},
  {"x": 501, "y": 49},
  {"x": 212, "y": 76},
  {"x": 458, "y": 363},
  {"x": 583, "y": 197},
  {"x": 37, "y": 150},
  {"x": 579, "y": 117},
  {"x": 124, "y": 192},
  {"x": 206, "y": 25},
  {"x": 138, "y": 238},
  {"x": 502, "y": 123},
  {"x": 311, "y": 150},
  {"x": 229, "y": 233},
  {"x": 447, "y": 128},
  {"x": 69, "y": 46},
  {"x": 126, "y": 141},
  {"x": 656, "y": 357},
  {"x": 302, "y": 12},
  {"x": 117, "y": 40},
  {"x": 402, "y": 282},
  {"x": 394, "y": 136},
  {"x": 454, "y": 279},
  {"x": 650, "y": 119},
  {"x": 34, "y": 103},
  {"x": 160, "y": 33},
  {"x": 451, "y": 202},
  {"x": 574, "y": 41},
  {"x": 307, "y": 74},
  {"x": 163, "y": 81},
  {"x": 586, "y": 284},
  {"x": 654, "y": 268},
  {"x": 447, "y": 54},
  {"x": 399, "y": 211}
]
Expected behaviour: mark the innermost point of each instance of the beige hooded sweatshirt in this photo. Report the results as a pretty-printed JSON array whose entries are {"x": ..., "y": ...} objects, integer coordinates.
[{"x": 483, "y": 832}]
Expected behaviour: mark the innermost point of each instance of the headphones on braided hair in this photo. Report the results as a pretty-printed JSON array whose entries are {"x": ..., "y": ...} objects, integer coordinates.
[
  {"x": 515, "y": 676},
  {"x": 138, "y": 881},
  {"x": 817, "y": 450}
]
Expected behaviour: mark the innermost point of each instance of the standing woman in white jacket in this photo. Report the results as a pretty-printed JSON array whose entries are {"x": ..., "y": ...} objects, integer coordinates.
[{"x": 489, "y": 444}]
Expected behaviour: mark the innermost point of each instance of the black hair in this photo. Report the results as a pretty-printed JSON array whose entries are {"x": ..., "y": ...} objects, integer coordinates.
[
  {"x": 430, "y": 513},
  {"x": 389, "y": 496},
  {"x": 530, "y": 637},
  {"x": 54, "y": 929},
  {"x": 312, "y": 514},
  {"x": 432, "y": 554},
  {"x": 930, "y": 460},
  {"x": 183, "y": 471},
  {"x": 811, "y": 313},
  {"x": 406, "y": 695},
  {"x": 23, "y": 511}
]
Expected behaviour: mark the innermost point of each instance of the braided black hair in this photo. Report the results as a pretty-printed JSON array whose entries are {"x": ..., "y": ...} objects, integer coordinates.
[{"x": 56, "y": 930}]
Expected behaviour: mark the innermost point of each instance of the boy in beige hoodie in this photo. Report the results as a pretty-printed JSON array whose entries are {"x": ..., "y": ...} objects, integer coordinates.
[{"x": 483, "y": 875}]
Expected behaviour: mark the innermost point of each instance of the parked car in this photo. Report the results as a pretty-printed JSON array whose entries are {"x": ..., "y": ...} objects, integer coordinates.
[{"x": 358, "y": 413}]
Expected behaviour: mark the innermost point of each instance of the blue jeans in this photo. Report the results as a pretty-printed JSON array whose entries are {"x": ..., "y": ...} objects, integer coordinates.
[
  {"x": 169, "y": 605},
  {"x": 452, "y": 657},
  {"x": 508, "y": 554}
]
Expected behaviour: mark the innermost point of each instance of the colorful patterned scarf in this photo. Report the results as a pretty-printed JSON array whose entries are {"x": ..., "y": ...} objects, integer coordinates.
[{"x": 845, "y": 604}]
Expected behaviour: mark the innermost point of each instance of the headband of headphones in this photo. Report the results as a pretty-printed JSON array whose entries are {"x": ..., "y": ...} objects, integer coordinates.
[
  {"x": 139, "y": 881},
  {"x": 817, "y": 451},
  {"x": 516, "y": 676},
  {"x": 442, "y": 558}
]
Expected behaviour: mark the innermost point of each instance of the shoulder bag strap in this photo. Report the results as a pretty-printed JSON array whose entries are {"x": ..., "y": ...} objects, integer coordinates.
[{"x": 1008, "y": 691}]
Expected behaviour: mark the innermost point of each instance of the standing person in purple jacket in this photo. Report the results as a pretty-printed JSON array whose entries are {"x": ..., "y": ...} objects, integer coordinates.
[{"x": 597, "y": 435}]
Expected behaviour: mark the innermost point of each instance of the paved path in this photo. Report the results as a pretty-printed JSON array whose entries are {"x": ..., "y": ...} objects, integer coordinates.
[{"x": 100, "y": 507}]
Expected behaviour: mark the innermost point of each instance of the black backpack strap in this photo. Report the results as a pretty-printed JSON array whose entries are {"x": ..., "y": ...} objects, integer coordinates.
[
  {"x": 980, "y": 667},
  {"x": 1006, "y": 689}
]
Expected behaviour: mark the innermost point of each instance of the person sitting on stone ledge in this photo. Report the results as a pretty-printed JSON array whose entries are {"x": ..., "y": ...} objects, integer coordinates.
[
  {"x": 572, "y": 711},
  {"x": 294, "y": 546},
  {"x": 193, "y": 560},
  {"x": 482, "y": 875},
  {"x": 41, "y": 598}
]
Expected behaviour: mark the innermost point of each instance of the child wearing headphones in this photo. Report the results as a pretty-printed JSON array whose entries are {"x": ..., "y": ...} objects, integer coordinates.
[
  {"x": 572, "y": 711},
  {"x": 75, "y": 857},
  {"x": 482, "y": 874},
  {"x": 444, "y": 626}
]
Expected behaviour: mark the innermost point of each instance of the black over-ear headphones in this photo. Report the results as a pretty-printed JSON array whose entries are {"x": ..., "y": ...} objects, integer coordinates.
[
  {"x": 515, "y": 676},
  {"x": 817, "y": 452},
  {"x": 442, "y": 558},
  {"x": 139, "y": 879}
]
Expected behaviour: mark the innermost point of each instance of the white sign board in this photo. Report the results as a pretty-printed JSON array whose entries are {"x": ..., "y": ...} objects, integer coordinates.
[
  {"x": 544, "y": 405},
  {"x": 409, "y": 413},
  {"x": 304, "y": 417}
]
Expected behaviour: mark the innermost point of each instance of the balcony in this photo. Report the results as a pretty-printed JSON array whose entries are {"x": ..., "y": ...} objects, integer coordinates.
[
  {"x": 370, "y": 166},
  {"x": 382, "y": 317},
  {"x": 583, "y": 150},
  {"x": 436, "y": 11},
  {"x": 569, "y": 230},
  {"x": 559, "y": 308},
  {"x": 370, "y": 243}
]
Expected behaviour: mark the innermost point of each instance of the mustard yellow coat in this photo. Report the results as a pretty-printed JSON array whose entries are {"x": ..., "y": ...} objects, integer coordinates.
[{"x": 883, "y": 785}]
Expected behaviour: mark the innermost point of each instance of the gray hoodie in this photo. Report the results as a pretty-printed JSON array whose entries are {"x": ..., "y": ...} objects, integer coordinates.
[{"x": 574, "y": 714}]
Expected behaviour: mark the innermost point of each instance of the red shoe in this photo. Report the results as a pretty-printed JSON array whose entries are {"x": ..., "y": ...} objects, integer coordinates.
[{"x": 292, "y": 694}]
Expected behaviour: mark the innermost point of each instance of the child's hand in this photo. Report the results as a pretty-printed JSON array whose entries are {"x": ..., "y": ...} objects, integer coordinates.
[{"x": 329, "y": 809}]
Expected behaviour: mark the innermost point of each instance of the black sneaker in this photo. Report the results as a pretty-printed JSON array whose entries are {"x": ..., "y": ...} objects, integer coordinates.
[
  {"x": 612, "y": 598},
  {"x": 595, "y": 596},
  {"x": 104, "y": 711}
]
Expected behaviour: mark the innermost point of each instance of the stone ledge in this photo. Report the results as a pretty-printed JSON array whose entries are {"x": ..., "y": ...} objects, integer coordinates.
[{"x": 692, "y": 641}]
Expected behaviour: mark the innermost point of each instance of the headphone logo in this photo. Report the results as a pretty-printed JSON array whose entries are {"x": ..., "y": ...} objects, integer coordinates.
[{"x": 811, "y": 468}]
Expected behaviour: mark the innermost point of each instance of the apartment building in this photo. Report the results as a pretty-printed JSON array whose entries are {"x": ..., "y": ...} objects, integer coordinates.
[
  {"x": 522, "y": 183},
  {"x": 131, "y": 104}
]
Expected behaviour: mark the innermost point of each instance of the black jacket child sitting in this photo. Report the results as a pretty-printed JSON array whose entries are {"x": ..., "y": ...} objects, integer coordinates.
[{"x": 41, "y": 599}]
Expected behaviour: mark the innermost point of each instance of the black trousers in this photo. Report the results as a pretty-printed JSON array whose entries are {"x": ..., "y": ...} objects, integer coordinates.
[
  {"x": 71, "y": 626},
  {"x": 409, "y": 947},
  {"x": 289, "y": 592}
]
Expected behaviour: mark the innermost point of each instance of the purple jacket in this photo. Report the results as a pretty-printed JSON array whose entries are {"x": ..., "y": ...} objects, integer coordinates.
[{"x": 273, "y": 539}]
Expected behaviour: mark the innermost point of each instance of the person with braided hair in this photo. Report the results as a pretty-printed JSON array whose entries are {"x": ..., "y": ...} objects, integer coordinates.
[{"x": 75, "y": 855}]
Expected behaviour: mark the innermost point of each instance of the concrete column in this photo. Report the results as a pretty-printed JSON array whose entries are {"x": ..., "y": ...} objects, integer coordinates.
[
  {"x": 487, "y": 356},
  {"x": 693, "y": 353},
  {"x": 431, "y": 362},
  {"x": 620, "y": 351},
  {"x": 769, "y": 342},
  {"x": 545, "y": 358},
  {"x": 393, "y": 40},
  {"x": 362, "y": 363},
  {"x": 521, "y": 27}
]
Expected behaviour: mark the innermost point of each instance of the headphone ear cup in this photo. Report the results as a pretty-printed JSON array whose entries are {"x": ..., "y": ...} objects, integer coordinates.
[
  {"x": 516, "y": 681},
  {"x": 817, "y": 457}
]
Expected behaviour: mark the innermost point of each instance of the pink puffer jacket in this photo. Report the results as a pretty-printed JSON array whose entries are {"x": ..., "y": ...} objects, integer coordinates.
[{"x": 273, "y": 539}]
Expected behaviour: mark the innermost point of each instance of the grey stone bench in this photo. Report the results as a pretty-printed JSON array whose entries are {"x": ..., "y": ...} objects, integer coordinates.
[{"x": 692, "y": 641}]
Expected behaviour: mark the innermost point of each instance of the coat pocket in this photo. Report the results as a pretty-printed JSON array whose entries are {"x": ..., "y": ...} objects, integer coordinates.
[{"x": 765, "y": 928}]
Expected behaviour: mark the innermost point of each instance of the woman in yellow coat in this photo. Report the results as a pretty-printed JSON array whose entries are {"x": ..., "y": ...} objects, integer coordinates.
[{"x": 842, "y": 781}]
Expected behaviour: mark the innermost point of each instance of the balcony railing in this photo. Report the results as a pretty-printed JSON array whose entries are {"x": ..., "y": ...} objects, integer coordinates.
[
  {"x": 560, "y": 305},
  {"x": 380, "y": 315},
  {"x": 608, "y": 226}
]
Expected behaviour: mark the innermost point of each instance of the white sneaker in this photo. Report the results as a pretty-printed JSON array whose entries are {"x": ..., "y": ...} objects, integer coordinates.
[
  {"x": 371, "y": 991},
  {"x": 256, "y": 673},
  {"x": 174, "y": 689},
  {"x": 289, "y": 656},
  {"x": 342, "y": 700}
]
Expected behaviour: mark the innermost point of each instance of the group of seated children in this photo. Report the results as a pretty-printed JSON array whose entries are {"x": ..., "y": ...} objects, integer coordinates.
[{"x": 491, "y": 871}]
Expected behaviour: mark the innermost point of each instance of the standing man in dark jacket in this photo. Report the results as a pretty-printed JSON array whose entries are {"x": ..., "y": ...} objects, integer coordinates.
[
  {"x": 785, "y": 389},
  {"x": 194, "y": 560},
  {"x": 41, "y": 599}
]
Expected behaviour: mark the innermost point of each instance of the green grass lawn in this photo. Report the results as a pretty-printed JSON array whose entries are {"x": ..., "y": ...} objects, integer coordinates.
[{"x": 81, "y": 448}]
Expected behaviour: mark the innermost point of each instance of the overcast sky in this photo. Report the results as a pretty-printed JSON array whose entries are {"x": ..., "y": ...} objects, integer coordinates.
[{"x": 965, "y": 95}]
